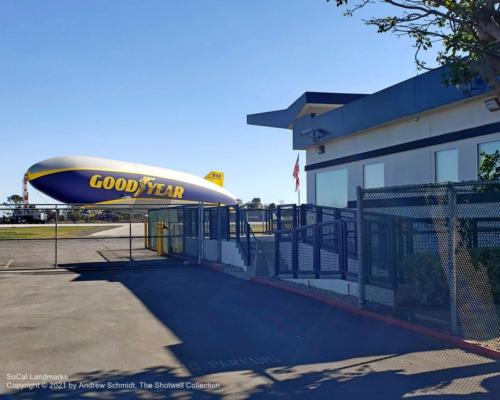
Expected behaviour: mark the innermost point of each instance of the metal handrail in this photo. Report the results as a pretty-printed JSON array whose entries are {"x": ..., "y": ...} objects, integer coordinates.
[{"x": 309, "y": 226}]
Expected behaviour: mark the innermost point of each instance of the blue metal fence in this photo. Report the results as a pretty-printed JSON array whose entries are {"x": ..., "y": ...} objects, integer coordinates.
[
  {"x": 314, "y": 241},
  {"x": 181, "y": 227}
]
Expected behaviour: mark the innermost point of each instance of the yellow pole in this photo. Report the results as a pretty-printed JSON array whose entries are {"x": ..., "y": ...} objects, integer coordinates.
[
  {"x": 159, "y": 238},
  {"x": 162, "y": 242},
  {"x": 166, "y": 250}
]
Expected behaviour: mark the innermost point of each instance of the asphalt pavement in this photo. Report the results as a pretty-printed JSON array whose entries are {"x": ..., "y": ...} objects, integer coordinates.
[{"x": 184, "y": 331}]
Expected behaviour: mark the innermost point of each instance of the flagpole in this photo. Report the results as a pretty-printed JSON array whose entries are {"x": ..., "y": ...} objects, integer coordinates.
[{"x": 296, "y": 175}]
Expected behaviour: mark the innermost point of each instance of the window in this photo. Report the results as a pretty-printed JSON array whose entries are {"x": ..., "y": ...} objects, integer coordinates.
[
  {"x": 486, "y": 149},
  {"x": 373, "y": 175},
  {"x": 331, "y": 188},
  {"x": 446, "y": 166}
]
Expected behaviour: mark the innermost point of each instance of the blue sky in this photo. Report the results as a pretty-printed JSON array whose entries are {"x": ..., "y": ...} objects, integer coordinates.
[{"x": 169, "y": 83}]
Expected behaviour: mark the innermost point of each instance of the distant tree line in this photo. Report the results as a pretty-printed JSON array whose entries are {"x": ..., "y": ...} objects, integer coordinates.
[{"x": 255, "y": 203}]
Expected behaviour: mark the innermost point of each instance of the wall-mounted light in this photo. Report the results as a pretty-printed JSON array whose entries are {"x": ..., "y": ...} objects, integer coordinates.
[
  {"x": 492, "y": 104},
  {"x": 321, "y": 149}
]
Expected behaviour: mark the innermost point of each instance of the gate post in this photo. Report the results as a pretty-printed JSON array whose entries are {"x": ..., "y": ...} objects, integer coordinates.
[
  {"x": 186, "y": 228},
  {"x": 130, "y": 233},
  {"x": 294, "y": 216},
  {"x": 295, "y": 253},
  {"x": 146, "y": 231},
  {"x": 55, "y": 236},
  {"x": 266, "y": 218},
  {"x": 271, "y": 219},
  {"x": 237, "y": 222},
  {"x": 452, "y": 264},
  {"x": 342, "y": 245},
  {"x": 361, "y": 245},
  {"x": 228, "y": 223},
  {"x": 316, "y": 251},
  {"x": 248, "y": 244},
  {"x": 219, "y": 234},
  {"x": 278, "y": 218},
  {"x": 276, "y": 254},
  {"x": 303, "y": 219},
  {"x": 201, "y": 232}
]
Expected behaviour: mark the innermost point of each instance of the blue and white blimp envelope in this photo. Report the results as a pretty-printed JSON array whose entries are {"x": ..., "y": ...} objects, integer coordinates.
[{"x": 92, "y": 180}]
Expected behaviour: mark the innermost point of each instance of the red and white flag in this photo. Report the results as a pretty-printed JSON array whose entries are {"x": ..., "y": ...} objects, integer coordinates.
[{"x": 296, "y": 170}]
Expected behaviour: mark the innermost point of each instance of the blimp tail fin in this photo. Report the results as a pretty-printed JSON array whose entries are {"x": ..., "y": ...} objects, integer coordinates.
[{"x": 216, "y": 177}]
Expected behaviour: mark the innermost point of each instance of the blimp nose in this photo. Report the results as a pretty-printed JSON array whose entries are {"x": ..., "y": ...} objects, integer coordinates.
[
  {"x": 41, "y": 168},
  {"x": 34, "y": 171},
  {"x": 30, "y": 172}
]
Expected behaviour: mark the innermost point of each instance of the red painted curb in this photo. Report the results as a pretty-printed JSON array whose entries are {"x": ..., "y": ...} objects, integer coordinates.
[
  {"x": 440, "y": 336},
  {"x": 443, "y": 337},
  {"x": 215, "y": 267}
]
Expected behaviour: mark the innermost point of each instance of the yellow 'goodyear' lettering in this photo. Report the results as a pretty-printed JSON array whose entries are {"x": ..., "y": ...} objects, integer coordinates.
[{"x": 136, "y": 187}]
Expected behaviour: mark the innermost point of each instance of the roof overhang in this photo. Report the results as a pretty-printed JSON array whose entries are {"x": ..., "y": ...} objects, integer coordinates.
[
  {"x": 310, "y": 103},
  {"x": 344, "y": 114}
]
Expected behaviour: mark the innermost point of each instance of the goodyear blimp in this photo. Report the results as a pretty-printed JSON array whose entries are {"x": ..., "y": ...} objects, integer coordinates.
[{"x": 91, "y": 180}]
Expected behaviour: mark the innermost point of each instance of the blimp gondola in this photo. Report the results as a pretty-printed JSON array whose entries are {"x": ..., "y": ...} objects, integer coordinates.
[{"x": 92, "y": 180}]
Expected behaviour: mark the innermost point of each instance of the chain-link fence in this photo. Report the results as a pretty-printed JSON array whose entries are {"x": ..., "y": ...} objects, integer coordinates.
[
  {"x": 49, "y": 236},
  {"x": 432, "y": 252},
  {"x": 168, "y": 231},
  {"x": 425, "y": 253}
]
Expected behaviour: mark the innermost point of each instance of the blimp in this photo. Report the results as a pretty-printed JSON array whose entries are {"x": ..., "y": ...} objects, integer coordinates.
[{"x": 92, "y": 180}]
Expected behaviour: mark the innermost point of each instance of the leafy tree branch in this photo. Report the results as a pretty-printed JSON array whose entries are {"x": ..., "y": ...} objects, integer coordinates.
[{"x": 468, "y": 32}]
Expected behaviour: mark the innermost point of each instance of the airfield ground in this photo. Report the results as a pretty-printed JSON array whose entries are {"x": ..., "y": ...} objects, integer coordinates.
[
  {"x": 33, "y": 246},
  {"x": 46, "y": 232}
]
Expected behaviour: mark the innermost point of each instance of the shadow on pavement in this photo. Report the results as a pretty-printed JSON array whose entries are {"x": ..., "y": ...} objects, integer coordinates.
[
  {"x": 327, "y": 384},
  {"x": 258, "y": 342}
]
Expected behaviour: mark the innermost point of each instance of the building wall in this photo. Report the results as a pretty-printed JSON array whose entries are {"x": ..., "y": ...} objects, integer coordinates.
[
  {"x": 210, "y": 250},
  {"x": 229, "y": 253},
  {"x": 414, "y": 166}
]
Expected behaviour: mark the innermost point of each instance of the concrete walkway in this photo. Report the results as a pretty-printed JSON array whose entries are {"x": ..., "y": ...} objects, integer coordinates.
[
  {"x": 122, "y": 230},
  {"x": 116, "y": 229},
  {"x": 138, "y": 333}
]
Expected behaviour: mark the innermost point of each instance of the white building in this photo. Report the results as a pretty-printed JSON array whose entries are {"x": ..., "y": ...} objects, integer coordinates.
[{"x": 417, "y": 131}]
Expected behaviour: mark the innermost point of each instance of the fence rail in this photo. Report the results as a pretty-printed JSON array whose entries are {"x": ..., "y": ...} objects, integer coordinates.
[{"x": 54, "y": 235}]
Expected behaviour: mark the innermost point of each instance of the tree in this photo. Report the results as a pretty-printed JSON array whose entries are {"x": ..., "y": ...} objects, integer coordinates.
[
  {"x": 254, "y": 203},
  {"x": 73, "y": 215},
  {"x": 467, "y": 30},
  {"x": 489, "y": 169},
  {"x": 15, "y": 200}
]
